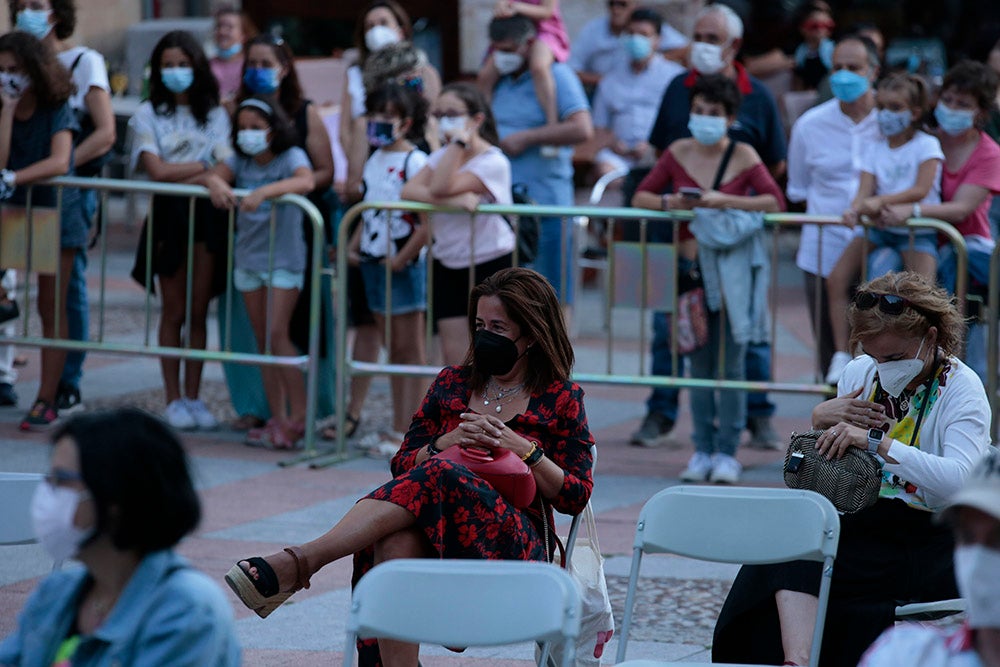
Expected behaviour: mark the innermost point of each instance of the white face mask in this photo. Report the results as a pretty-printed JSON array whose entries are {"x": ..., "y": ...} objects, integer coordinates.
[
  {"x": 449, "y": 126},
  {"x": 977, "y": 572},
  {"x": 507, "y": 62},
  {"x": 252, "y": 142},
  {"x": 52, "y": 511},
  {"x": 893, "y": 376},
  {"x": 379, "y": 37},
  {"x": 14, "y": 85},
  {"x": 707, "y": 58}
]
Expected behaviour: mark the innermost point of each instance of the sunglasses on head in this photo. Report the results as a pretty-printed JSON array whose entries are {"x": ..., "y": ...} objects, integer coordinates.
[
  {"x": 617, "y": 3},
  {"x": 890, "y": 304}
]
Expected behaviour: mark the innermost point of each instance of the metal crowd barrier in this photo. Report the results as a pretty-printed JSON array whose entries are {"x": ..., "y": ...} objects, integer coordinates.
[
  {"x": 992, "y": 316},
  {"x": 101, "y": 343},
  {"x": 652, "y": 275}
]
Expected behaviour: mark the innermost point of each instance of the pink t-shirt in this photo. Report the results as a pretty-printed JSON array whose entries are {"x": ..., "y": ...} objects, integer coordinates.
[
  {"x": 552, "y": 31},
  {"x": 453, "y": 239},
  {"x": 228, "y": 72},
  {"x": 983, "y": 169}
]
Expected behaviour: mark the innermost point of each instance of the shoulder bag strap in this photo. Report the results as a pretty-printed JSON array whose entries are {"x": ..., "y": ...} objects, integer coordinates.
[{"x": 725, "y": 163}]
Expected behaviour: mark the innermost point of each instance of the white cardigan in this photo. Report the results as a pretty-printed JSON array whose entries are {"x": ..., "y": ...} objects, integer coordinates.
[{"x": 953, "y": 437}]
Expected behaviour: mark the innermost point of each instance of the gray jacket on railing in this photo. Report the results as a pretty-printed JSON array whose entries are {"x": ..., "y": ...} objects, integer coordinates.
[{"x": 735, "y": 268}]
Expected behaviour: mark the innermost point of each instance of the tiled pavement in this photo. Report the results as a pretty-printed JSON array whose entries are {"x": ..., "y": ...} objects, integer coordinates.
[{"x": 254, "y": 507}]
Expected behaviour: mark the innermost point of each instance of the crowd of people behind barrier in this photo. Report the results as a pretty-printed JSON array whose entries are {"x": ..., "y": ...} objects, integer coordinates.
[
  {"x": 715, "y": 144},
  {"x": 884, "y": 158}
]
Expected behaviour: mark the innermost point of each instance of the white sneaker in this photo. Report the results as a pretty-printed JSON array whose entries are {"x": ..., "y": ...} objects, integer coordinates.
[
  {"x": 725, "y": 469},
  {"x": 698, "y": 468},
  {"x": 199, "y": 412},
  {"x": 837, "y": 365},
  {"x": 178, "y": 416}
]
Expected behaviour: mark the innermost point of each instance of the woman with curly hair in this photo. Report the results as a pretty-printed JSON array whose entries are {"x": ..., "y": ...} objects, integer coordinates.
[
  {"x": 933, "y": 426},
  {"x": 36, "y": 143},
  {"x": 179, "y": 135}
]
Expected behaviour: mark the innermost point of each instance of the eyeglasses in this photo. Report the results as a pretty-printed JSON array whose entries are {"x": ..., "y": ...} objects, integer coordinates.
[
  {"x": 890, "y": 304},
  {"x": 818, "y": 25},
  {"x": 58, "y": 477}
]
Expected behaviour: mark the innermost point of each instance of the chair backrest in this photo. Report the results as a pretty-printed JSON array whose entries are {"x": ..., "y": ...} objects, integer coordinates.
[
  {"x": 16, "y": 491},
  {"x": 465, "y": 603},
  {"x": 737, "y": 525}
]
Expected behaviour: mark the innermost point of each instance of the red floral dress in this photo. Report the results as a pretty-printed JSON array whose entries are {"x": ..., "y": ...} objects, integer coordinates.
[{"x": 462, "y": 515}]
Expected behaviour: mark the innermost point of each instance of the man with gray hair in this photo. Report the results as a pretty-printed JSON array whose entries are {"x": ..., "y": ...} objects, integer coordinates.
[
  {"x": 540, "y": 153},
  {"x": 718, "y": 35}
]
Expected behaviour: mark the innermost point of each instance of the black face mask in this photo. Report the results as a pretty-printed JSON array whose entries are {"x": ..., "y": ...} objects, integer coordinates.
[{"x": 494, "y": 354}]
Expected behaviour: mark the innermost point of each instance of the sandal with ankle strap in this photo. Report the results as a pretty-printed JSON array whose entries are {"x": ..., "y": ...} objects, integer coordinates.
[{"x": 263, "y": 595}]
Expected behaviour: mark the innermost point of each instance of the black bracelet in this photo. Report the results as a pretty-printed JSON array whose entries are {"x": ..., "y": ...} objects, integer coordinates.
[
  {"x": 431, "y": 449},
  {"x": 535, "y": 456}
]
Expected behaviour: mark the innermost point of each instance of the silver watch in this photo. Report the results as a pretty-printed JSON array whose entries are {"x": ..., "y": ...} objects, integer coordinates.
[{"x": 874, "y": 440}]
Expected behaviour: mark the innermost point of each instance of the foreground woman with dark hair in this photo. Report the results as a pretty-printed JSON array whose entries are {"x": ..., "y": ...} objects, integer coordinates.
[
  {"x": 512, "y": 393},
  {"x": 118, "y": 498}
]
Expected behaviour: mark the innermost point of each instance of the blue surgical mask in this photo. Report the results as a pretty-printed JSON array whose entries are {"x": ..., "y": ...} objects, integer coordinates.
[
  {"x": 35, "y": 22},
  {"x": 262, "y": 80},
  {"x": 228, "y": 53},
  {"x": 638, "y": 47},
  {"x": 707, "y": 130},
  {"x": 954, "y": 121},
  {"x": 848, "y": 86},
  {"x": 894, "y": 122},
  {"x": 252, "y": 142},
  {"x": 381, "y": 133},
  {"x": 177, "y": 79}
]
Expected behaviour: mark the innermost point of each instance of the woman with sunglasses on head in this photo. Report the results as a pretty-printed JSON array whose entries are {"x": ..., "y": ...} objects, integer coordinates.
[{"x": 933, "y": 425}]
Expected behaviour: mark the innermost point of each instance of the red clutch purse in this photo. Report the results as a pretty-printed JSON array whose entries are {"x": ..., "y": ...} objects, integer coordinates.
[{"x": 500, "y": 468}]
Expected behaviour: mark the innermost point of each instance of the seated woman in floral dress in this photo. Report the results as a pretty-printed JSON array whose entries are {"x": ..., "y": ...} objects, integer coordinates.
[{"x": 513, "y": 392}]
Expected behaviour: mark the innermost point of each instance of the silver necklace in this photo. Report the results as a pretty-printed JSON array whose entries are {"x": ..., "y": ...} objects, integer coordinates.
[{"x": 501, "y": 396}]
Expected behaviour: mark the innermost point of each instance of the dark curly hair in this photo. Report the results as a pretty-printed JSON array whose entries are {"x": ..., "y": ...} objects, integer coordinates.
[
  {"x": 49, "y": 79},
  {"x": 403, "y": 100},
  {"x": 63, "y": 16},
  {"x": 718, "y": 89},
  {"x": 283, "y": 132},
  {"x": 974, "y": 79},
  {"x": 203, "y": 95},
  {"x": 290, "y": 90}
]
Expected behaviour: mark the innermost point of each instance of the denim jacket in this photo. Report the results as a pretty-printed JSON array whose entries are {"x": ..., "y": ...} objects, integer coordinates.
[{"x": 168, "y": 615}]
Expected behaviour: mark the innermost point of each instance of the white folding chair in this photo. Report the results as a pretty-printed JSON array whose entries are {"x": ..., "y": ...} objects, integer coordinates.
[
  {"x": 465, "y": 603},
  {"x": 929, "y": 611},
  {"x": 16, "y": 490},
  {"x": 737, "y": 525}
]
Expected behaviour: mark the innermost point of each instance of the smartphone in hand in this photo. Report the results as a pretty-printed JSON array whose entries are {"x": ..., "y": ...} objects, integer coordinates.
[{"x": 690, "y": 193}]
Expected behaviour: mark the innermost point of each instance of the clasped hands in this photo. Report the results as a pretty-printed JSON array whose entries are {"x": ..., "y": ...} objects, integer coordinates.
[{"x": 484, "y": 431}]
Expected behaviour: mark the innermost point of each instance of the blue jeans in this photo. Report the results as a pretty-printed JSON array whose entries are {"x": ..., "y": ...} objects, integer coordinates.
[
  {"x": 77, "y": 307},
  {"x": 730, "y": 408},
  {"x": 663, "y": 400},
  {"x": 979, "y": 272},
  {"x": 553, "y": 245}
]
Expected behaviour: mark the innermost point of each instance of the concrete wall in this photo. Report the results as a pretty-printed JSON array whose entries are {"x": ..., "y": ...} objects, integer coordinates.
[{"x": 476, "y": 15}]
